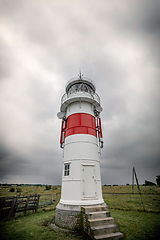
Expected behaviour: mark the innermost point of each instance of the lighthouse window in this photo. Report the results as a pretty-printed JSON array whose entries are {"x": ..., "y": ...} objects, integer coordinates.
[
  {"x": 80, "y": 87},
  {"x": 66, "y": 169}
]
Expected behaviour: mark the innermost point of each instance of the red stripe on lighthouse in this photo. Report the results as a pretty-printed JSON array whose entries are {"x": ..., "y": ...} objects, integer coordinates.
[
  {"x": 80, "y": 123},
  {"x": 100, "y": 128},
  {"x": 61, "y": 137}
]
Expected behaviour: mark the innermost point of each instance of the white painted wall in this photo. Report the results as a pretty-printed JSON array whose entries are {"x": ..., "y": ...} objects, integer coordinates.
[{"x": 83, "y": 185}]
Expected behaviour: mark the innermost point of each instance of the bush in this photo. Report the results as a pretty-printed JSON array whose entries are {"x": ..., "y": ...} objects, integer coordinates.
[
  {"x": 48, "y": 187},
  {"x": 12, "y": 189},
  {"x": 19, "y": 189}
]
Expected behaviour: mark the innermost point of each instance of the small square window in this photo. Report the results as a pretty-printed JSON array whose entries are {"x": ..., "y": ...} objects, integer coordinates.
[{"x": 66, "y": 169}]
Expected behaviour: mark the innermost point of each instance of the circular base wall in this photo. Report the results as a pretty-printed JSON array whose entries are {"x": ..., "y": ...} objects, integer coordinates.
[{"x": 69, "y": 216}]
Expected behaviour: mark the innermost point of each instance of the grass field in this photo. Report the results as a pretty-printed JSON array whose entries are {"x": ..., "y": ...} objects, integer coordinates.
[
  {"x": 126, "y": 210},
  {"x": 27, "y": 190}
]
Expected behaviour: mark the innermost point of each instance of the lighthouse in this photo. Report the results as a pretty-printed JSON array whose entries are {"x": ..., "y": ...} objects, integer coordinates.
[{"x": 81, "y": 141}]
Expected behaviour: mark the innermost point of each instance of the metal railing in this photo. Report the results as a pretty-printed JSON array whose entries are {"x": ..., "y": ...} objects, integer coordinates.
[{"x": 94, "y": 96}]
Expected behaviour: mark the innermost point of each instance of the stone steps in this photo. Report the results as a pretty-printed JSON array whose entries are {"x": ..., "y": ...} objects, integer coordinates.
[
  {"x": 98, "y": 223},
  {"x": 100, "y": 230},
  {"x": 98, "y": 214},
  {"x": 95, "y": 208},
  {"x": 110, "y": 236}
]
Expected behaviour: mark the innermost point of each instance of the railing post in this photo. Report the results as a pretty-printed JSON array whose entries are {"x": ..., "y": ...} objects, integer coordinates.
[{"x": 113, "y": 202}]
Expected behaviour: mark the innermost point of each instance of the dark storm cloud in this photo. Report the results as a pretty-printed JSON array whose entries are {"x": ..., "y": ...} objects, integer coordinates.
[
  {"x": 42, "y": 46},
  {"x": 141, "y": 22}
]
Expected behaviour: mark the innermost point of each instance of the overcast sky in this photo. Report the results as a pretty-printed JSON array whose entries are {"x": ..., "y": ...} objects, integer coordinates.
[{"x": 43, "y": 44}]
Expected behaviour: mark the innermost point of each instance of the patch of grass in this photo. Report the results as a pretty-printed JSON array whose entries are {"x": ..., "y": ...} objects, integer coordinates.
[
  {"x": 137, "y": 225},
  {"x": 35, "y": 226},
  {"x": 133, "y": 224},
  {"x": 132, "y": 201},
  {"x": 27, "y": 190},
  {"x": 128, "y": 189}
]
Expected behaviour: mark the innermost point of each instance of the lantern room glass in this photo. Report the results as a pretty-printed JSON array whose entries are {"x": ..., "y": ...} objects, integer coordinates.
[{"x": 80, "y": 87}]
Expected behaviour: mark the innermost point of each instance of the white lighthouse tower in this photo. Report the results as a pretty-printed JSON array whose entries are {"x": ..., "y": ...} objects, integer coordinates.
[{"x": 81, "y": 141}]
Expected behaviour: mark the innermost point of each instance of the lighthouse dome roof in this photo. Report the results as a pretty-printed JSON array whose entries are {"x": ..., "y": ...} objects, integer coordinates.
[{"x": 80, "y": 80}]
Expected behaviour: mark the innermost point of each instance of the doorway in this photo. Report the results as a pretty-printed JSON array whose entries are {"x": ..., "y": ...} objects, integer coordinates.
[{"x": 89, "y": 183}]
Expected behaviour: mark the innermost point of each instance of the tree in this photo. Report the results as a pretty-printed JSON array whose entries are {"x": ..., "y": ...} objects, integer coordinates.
[
  {"x": 158, "y": 180},
  {"x": 148, "y": 183}
]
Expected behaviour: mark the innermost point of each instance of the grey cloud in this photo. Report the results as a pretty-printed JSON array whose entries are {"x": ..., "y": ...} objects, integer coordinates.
[{"x": 43, "y": 45}]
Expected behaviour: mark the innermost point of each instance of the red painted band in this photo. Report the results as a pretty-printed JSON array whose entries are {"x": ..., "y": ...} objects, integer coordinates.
[
  {"x": 81, "y": 123},
  {"x": 100, "y": 128},
  {"x": 61, "y": 137}
]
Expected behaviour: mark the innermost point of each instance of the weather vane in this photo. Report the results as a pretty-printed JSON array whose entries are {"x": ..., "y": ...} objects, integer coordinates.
[{"x": 80, "y": 75}]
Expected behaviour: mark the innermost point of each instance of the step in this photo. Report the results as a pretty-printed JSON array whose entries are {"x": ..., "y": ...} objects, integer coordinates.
[
  {"x": 97, "y": 214},
  {"x": 110, "y": 236},
  {"x": 100, "y": 221},
  {"x": 100, "y": 230},
  {"x": 93, "y": 208}
]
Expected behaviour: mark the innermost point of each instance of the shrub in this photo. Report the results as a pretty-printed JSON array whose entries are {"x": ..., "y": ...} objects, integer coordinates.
[
  {"x": 19, "y": 189},
  {"x": 12, "y": 189},
  {"x": 48, "y": 187}
]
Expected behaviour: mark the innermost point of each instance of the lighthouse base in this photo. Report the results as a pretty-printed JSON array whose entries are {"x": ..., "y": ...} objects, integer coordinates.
[{"x": 70, "y": 216}]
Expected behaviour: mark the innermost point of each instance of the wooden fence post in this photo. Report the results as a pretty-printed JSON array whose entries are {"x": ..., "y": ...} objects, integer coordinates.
[
  {"x": 2, "y": 201},
  {"x": 26, "y": 205},
  {"x": 13, "y": 208},
  {"x": 38, "y": 196}
]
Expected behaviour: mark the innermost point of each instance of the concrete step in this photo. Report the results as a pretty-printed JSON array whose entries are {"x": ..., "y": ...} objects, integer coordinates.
[
  {"x": 98, "y": 214},
  {"x": 100, "y": 221},
  {"x": 95, "y": 208},
  {"x": 100, "y": 230},
  {"x": 110, "y": 236}
]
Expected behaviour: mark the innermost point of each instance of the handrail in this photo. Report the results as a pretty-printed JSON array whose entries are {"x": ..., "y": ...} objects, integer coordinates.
[{"x": 66, "y": 96}]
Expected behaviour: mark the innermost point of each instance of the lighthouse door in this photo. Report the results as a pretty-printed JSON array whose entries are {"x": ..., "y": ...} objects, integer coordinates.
[{"x": 89, "y": 190}]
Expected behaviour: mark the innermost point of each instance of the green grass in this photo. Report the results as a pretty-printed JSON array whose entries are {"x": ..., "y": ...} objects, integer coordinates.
[
  {"x": 126, "y": 210},
  {"x": 35, "y": 226},
  {"x": 133, "y": 224},
  {"x": 137, "y": 225},
  {"x": 128, "y": 189},
  {"x": 133, "y": 202},
  {"x": 27, "y": 190}
]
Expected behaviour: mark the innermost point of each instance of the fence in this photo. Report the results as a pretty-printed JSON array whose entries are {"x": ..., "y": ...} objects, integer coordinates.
[
  {"x": 49, "y": 199},
  {"x": 133, "y": 201},
  {"x": 9, "y": 206},
  {"x": 123, "y": 201}
]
